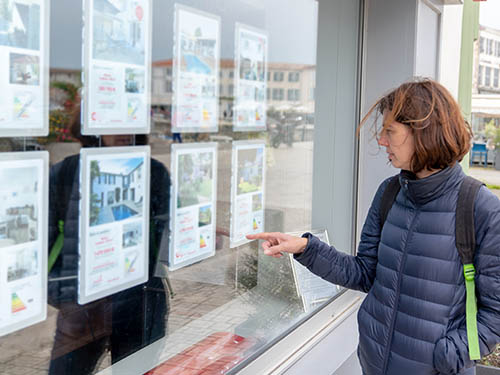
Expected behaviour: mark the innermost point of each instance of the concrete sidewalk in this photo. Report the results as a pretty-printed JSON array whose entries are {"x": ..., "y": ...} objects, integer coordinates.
[{"x": 490, "y": 176}]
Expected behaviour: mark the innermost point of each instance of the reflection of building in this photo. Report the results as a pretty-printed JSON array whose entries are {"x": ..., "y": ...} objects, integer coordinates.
[
  {"x": 18, "y": 224},
  {"x": 486, "y": 79},
  {"x": 112, "y": 188},
  {"x": 23, "y": 27},
  {"x": 117, "y": 33},
  {"x": 289, "y": 86}
]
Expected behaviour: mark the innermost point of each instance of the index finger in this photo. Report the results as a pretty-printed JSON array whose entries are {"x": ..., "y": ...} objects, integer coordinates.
[{"x": 262, "y": 236}]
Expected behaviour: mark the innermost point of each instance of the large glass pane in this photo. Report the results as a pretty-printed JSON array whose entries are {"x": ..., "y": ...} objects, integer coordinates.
[{"x": 235, "y": 79}]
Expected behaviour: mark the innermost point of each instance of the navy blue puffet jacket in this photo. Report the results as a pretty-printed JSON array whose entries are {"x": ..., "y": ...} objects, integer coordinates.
[{"x": 412, "y": 321}]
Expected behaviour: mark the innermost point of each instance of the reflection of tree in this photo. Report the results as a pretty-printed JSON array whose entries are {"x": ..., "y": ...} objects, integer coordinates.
[
  {"x": 195, "y": 179},
  {"x": 249, "y": 171},
  {"x": 95, "y": 172}
]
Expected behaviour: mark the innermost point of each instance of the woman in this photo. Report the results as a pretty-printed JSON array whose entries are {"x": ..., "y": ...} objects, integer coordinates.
[{"x": 413, "y": 319}]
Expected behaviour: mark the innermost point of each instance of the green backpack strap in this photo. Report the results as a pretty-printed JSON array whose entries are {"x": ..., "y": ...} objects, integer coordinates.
[
  {"x": 60, "y": 202},
  {"x": 57, "y": 247},
  {"x": 465, "y": 240}
]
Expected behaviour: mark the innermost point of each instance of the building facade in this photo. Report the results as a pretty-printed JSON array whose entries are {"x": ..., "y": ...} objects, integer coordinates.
[{"x": 486, "y": 79}]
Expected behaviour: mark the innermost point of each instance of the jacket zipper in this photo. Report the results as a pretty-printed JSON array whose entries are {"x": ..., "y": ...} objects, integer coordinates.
[{"x": 398, "y": 291}]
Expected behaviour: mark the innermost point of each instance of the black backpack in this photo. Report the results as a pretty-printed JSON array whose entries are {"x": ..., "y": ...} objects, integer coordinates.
[
  {"x": 465, "y": 240},
  {"x": 64, "y": 187}
]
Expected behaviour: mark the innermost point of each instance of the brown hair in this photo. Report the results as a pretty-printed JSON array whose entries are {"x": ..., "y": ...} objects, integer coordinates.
[{"x": 442, "y": 136}]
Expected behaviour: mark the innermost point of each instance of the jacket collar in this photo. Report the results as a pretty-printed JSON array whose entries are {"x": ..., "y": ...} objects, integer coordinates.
[{"x": 422, "y": 191}]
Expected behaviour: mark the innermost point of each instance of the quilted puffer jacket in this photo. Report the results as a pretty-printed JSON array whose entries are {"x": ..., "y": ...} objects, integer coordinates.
[{"x": 412, "y": 321}]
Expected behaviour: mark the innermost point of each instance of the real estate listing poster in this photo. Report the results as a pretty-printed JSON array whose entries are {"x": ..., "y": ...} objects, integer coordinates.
[
  {"x": 24, "y": 46},
  {"x": 193, "y": 204},
  {"x": 251, "y": 84},
  {"x": 196, "y": 70},
  {"x": 114, "y": 221},
  {"x": 23, "y": 239},
  {"x": 312, "y": 289},
  {"x": 247, "y": 190},
  {"x": 117, "y": 66}
]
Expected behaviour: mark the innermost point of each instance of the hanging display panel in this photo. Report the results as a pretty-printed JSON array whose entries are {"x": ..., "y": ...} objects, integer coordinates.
[
  {"x": 312, "y": 289},
  {"x": 117, "y": 61},
  {"x": 196, "y": 71},
  {"x": 114, "y": 221},
  {"x": 247, "y": 190},
  {"x": 193, "y": 204},
  {"x": 24, "y": 46},
  {"x": 251, "y": 85},
  {"x": 23, "y": 239}
]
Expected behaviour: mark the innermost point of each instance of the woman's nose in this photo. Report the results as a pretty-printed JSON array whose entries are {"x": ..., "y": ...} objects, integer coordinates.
[{"x": 382, "y": 140}]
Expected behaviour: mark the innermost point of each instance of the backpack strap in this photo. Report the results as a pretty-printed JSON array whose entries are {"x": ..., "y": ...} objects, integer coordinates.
[
  {"x": 465, "y": 240},
  {"x": 388, "y": 198},
  {"x": 64, "y": 187}
]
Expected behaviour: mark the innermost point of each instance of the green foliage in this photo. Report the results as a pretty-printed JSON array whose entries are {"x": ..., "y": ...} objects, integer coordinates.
[
  {"x": 95, "y": 209},
  {"x": 70, "y": 89},
  {"x": 491, "y": 132},
  {"x": 493, "y": 187},
  {"x": 59, "y": 122},
  {"x": 247, "y": 187}
]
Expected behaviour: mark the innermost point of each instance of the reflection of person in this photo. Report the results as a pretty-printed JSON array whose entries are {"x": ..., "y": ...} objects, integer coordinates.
[
  {"x": 413, "y": 318},
  {"x": 176, "y": 137},
  {"x": 126, "y": 321}
]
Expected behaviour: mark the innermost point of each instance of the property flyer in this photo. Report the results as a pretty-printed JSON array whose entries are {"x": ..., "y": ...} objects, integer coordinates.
[
  {"x": 117, "y": 61},
  {"x": 251, "y": 84},
  {"x": 24, "y": 43},
  {"x": 196, "y": 71},
  {"x": 23, "y": 239},
  {"x": 193, "y": 204},
  {"x": 247, "y": 190},
  {"x": 312, "y": 289},
  {"x": 114, "y": 222}
]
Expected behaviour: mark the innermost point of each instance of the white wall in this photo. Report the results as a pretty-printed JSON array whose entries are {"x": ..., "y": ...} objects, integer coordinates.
[
  {"x": 390, "y": 56},
  {"x": 449, "y": 66},
  {"x": 428, "y": 39}
]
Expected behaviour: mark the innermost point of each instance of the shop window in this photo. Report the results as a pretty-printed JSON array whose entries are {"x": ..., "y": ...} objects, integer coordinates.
[{"x": 157, "y": 199}]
